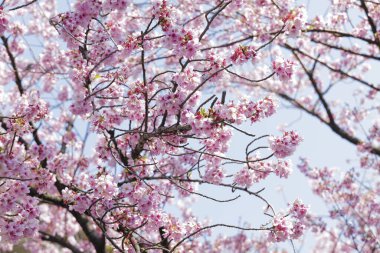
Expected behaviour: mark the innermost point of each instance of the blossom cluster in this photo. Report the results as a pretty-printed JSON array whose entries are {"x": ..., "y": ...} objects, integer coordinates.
[
  {"x": 19, "y": 212},
  {"x": 290, "y": 225},
  {"x": 239, "y": 112},
  {"x": 30, "y": 108},
  {"x": 3, "y": 21},
  {"x": 353, "y": 212},
  {"x": 295, "y": 21},
  {"x": 283, "y": 68},
  {"x": 242, "y": 54},
  {"x": 259, "y": 170},
  {"x": 286, "y": 144}
]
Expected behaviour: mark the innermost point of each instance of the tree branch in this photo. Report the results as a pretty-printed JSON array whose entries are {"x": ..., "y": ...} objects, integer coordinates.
[{"x": 60, "y": 241}]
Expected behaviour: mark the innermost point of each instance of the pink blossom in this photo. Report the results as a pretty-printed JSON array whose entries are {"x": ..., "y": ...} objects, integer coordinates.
[
  {"x": 299, "y": 209},
  {"x": 245, "y": 177},
  {"x": 3, "y": 21},
  {"x": 242, "y": 54},
  {"x": 282, "y": 229},
  {"x": 285, "y": 145},
  {"x": 283, "y": 68},
  {"x": 261, "y": 109},
  {"x": 283, "y": 168},
  {"x": 295, "y": 21},
  {"x": 214, "y": 175}
]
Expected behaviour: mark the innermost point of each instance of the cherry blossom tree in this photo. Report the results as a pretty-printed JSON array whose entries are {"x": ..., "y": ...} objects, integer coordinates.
[{"x": 111, "y": 110}]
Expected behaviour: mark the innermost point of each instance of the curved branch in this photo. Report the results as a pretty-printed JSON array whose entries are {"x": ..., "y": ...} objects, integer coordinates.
[{"x": 60, "y": 241}]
